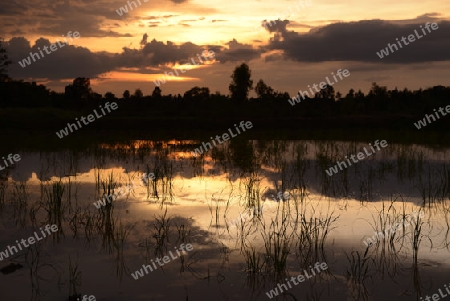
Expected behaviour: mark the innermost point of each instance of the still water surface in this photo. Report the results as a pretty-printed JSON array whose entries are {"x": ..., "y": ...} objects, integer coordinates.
[{"x": 256, "y": 213}]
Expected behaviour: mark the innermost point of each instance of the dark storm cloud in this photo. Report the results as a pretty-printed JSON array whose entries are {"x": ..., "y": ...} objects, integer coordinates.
[
  {"x": 275, "y": 25},
  {"x": 57, "y": 17},
  {"x": 359, "y": 41},
  {"x": 80, "y": 19},
  {"x": 90, "y": 18},
  {"x": 144, "y": 39},
  {"x": 160, "y": 53},
  {"x": 12, "y": 7},
  {"x": 66, "y": 62},
  {"x": 237, "y": 52},
  {"x": 71, "y": 61},
  {"x": 18, "y": 32}
]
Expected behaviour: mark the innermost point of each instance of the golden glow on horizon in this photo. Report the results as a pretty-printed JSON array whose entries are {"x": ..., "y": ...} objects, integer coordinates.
[
  {"x": 217, "y": 23},
  {"x": 192, "y": 21},
  {"x": 133, "y": 77}
]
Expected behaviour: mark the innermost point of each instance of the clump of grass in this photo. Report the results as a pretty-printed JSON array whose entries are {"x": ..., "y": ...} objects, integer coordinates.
[
  {"x": 312, "y": 236},
  {"x": 163, "y": 178},
  {"x": 386, "y": 217},
  {"x": 254, "y": 260},
  {"x": 183, "y": 233},
  {"x": 417, "y": 236},
  {"x": 252, "y": 191},
  {"x": 109, "y": 185},
  {"x": 365, "y": 186},
  {"x": 162, "y": 228},
  {"x": 215, "y": 211},
  {"x": 359, "y": 266},
  {"x": 120, "y": 236},
  {"x": 88, "y": 220},
  {"x": 278, "y": 247},
  {"x": 33, "y": 258},
  {"x": 446, "y": 212},
  {"x": 215, "y": 206},
  {"x": 392, "y": 228},
  {"x": 105, "y": 226},
  {"x": 19, "y": 202},
  {"x": 53, "y": 204},
  {"x": 301, "y": 163},
  {"x": 106, "y": 223},
  {"x": 147, "y": 246},
  {"x": 243, "y": 229},
  {"x": 33, "y": 213},
  {"x": 358, "y": 272},
  {"x": 278, "y": 240},
  {"x": 167, "y": 180},
  {"x": 435, "y": 186},
  {"x": 75, "y": 221},
  {"x": 74, "y": 279}
]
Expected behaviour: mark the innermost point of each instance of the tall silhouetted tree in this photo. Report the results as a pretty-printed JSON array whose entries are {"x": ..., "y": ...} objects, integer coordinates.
[
  {"x": 197, "y": 93},
  {"x": 80, "y": 89},
  {"x": 263, "y": 91},
  {"x": 138, "y": 93},
  {"x": 350, "y": 94},
  {"x": 326, "y": 93},
  {"x": 241, "y": 84},
  {"x": 378, "y": 91},
  {"x": 109, "y": 96},
  {"x": 156, "y": 93},
  {"x": 126, "y": 94}
]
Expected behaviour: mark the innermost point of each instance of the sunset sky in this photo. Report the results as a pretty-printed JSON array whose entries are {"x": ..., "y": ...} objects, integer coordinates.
[{"x": 132, "y": 50}]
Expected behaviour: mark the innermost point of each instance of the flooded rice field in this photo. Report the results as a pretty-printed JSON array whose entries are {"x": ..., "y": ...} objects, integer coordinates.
[{"x": 247, "y": 220}]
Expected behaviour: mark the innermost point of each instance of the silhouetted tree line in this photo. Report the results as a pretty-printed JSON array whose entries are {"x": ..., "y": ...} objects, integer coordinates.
[{"x": 199, "y": 101}]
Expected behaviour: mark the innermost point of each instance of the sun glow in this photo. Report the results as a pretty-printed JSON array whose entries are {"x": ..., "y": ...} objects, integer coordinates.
[{"x": 133, "y": 77}]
